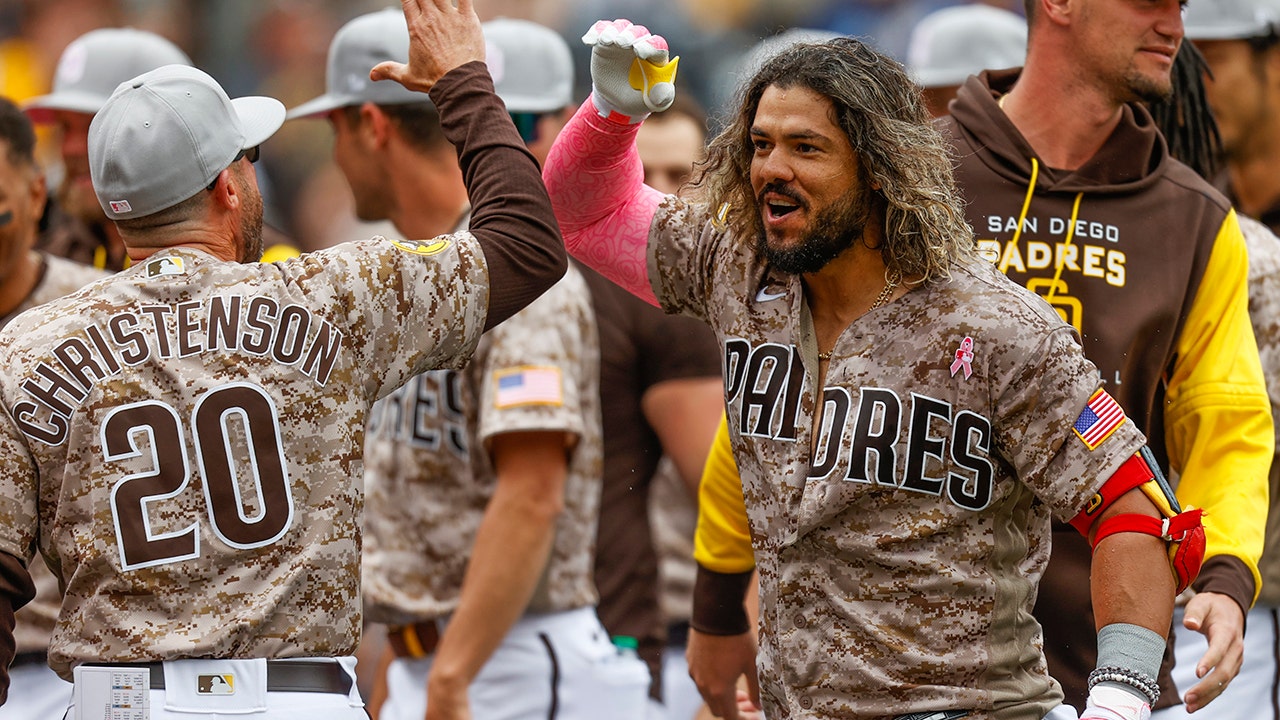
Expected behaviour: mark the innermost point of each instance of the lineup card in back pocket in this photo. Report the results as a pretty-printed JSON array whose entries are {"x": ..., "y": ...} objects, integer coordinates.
[{"x": 104, "y": 693}]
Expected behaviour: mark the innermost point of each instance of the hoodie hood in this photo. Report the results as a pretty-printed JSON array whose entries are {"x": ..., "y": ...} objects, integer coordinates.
[{"x": 1133, "y": 158}]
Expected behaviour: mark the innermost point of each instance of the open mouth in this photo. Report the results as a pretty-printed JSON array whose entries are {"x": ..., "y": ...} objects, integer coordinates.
[
  {"x": 779, "y": 202},
  {"x": 780, "y": 208}
]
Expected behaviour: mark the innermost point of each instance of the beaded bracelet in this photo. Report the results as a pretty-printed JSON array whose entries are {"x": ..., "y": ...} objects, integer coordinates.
[{"x": 1144, "y": 684}]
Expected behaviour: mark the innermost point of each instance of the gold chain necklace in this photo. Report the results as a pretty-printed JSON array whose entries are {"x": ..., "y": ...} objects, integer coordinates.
[{"x": 890, "y": 284}]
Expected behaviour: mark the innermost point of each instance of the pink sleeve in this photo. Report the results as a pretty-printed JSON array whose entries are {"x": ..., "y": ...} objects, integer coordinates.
[{"x": 604, "y": 209}]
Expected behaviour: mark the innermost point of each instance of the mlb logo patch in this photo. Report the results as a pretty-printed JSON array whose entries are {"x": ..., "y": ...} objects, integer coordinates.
[
  {"x": 120, "y": 206},
  {"x": 529, "y": 385},
  {"x": 166, "y": 266},
  {"x": 222, "y": 684},
  {"x": 1100, "y": 417}
]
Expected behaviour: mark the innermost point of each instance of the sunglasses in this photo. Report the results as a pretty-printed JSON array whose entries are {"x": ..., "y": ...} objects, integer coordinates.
[
  {"x": 526, "y": 124},
  {"x": 250, "y": 154}
]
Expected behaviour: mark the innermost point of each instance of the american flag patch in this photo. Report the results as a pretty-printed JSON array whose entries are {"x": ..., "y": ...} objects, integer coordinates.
[
  {"x": 1100, "y": 417},
  {"x": 528, "y": 385}
]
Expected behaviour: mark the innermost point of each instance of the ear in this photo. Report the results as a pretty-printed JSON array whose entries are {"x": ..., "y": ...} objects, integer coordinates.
[
  {"x": 39, "y": 194},
  {"x": 1059, "y": 12},
  {"x": 375, "y": 126},
  {"x": 226, "y": 194}
]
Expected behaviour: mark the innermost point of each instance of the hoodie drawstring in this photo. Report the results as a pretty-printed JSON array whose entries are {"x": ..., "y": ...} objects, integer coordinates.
[
  {"x": 1022, "y": 216},
  {"x": 1060, "y": 261},
  {"x": 1071, "y": 233}
]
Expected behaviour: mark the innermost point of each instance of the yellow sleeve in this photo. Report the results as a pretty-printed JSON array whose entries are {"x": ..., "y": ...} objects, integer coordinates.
[
  {"x": 1218, "y": 429},
  {"x": 279, "y": 252},
  {"x": 722, "y": 542}
]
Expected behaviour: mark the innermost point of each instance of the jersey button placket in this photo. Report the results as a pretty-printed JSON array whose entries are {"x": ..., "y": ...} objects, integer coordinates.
[
  {"x": 800, "y": 621},
  {"x": 806, "y": 702}
]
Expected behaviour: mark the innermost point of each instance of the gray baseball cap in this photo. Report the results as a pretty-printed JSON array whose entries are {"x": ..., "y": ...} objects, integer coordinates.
[
  {"x": 166, "y": 134},
  {"x": 531, "y": 65},
  {"x": 1228, "y": 19},
  {"x": 356, "y": 48},
  {"x": 95, "y": 63},
  {"x": 949, "y": 45}
]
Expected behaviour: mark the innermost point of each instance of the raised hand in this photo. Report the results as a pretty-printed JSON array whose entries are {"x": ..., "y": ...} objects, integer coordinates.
[
  {"x": 632, "y": 74},
  {"x": 441, "y": 38}
]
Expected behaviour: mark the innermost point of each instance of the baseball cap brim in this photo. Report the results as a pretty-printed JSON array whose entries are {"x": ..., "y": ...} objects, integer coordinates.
[
  {"x": 42, "y": 109},
  {"x": 321, "y": 106},
  {"x": 1226, "y": 31},
  {"x": 260, "y": 118}
]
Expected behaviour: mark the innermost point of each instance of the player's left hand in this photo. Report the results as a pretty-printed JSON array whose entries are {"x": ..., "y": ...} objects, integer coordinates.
[
  {"x": 715, "y": 664},
  {"x": 441, "y": 38},
  {"x": 1220, "y": 620}
]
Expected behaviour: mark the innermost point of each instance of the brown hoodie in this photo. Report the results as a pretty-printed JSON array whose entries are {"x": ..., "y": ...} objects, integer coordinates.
[{"x": 1145, "y": 259}]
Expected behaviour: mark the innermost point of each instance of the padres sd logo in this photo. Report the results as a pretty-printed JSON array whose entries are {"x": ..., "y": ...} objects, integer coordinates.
[
  {"x": 422, "y": 247},
  {"x": 1094, "y": 503}
]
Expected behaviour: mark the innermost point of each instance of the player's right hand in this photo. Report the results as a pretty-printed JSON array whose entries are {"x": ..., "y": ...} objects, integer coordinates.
[
  {"x": 441, "y": 38},
  {"x": 1112, "y": 703},
  {"x": 631, "y": 73},
  {"x": 715, "y": 664}
]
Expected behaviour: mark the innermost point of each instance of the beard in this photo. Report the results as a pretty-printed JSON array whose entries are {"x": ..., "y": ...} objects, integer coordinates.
[
  {"x": 250, "y": 221},
  {"x": 1148, "y": 89},
  {"x": 79, "y": 200},
  {"x": 829, "y": 232}
]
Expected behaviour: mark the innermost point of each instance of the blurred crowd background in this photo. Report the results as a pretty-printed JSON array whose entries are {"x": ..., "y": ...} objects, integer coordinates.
[{"x": 278, "y": 48}]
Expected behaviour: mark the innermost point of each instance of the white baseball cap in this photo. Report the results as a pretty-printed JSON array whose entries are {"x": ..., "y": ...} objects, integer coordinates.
[
  {"x": 1228, "y": 19},
  {"x": 531, "y": 65},
  {"x": 949, "y": 45},
  {"x": 166, "y": 134},
  {"x": 95, "y": 63},
  {"x": 357, "y": 48}
]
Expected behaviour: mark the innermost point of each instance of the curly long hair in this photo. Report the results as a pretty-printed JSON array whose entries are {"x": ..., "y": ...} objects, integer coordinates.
[{"x": 880, "y": 110}]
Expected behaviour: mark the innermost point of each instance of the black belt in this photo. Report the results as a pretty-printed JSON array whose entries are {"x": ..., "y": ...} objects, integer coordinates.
[
  {"x": 33, "y": 657},
  {"x": 316, "y": 676},
  {"x": 678, "y": 633}
]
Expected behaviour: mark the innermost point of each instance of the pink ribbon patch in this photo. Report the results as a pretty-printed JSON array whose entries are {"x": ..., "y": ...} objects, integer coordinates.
[{"x": 964, "y": 356}]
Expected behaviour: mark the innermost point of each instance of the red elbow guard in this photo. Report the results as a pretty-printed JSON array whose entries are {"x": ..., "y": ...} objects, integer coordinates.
[
  {"x": 1184, "y": 532},
  {"x": 1133, "y": 473}
]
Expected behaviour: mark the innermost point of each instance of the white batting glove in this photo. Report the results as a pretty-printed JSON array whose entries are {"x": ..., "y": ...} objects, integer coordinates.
[
  {"x": 1113, "y": 703},
  {"x": 631, "y": 73}
]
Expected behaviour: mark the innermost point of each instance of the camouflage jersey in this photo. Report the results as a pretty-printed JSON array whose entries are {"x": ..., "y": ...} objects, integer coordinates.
[
  {"x": 181, "y": 441},
  {"x": 899, "y": 558},
  {"x": 429, "y": 475},
  {"x": 35, "y": 622}
]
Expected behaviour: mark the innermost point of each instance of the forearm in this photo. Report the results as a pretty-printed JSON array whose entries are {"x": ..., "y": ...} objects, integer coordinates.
[
  {"x": 16, "y": 590},
  {"x": 510, "y": 552},
  {"x": 685, "y": 414},
  {"x": 719, "y": 602},
  {"x": 1131, "y": 582},
  {"x": 596, "y": 183},
  {"x": 511, "y": 214}
]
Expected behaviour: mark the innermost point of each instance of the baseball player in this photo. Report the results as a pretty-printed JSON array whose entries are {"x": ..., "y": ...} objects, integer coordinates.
[
  {"x": 88, "y": 71},
  {"x": 1191, "y": 131},
  {"x": 184, "y": 447},
  {"x": 483, "y": 483},
  {"x": 31, "y": 278},
  {"x": 906, "y": 420}
]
